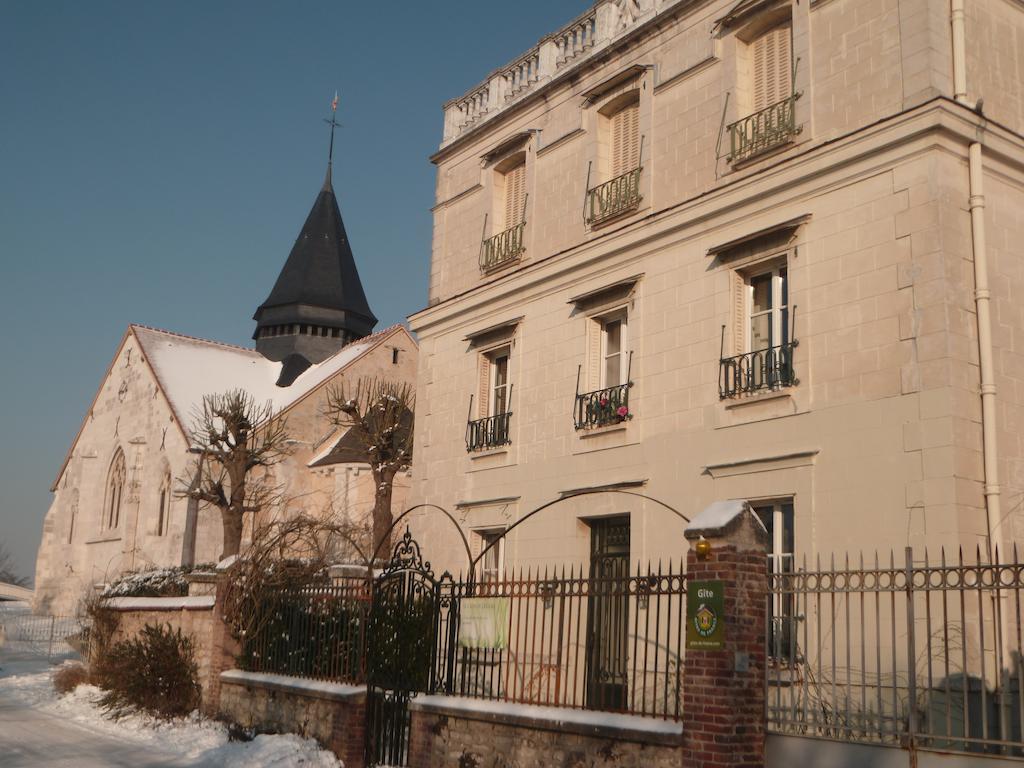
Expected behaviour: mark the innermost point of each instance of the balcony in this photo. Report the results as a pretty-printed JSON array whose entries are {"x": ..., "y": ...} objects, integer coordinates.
[
  {"x": 603, "y": 407},
  {"x": 773, "y": 126},
  {"x": 503, "y": 248},
  {"x": 613, "y": 198},
  {"x": 752, "y": 372},
  {"x": 489, "y": 432}
]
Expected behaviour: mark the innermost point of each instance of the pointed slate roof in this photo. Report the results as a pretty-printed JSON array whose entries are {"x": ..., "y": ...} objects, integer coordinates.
[{"x": 319, "y": 283}]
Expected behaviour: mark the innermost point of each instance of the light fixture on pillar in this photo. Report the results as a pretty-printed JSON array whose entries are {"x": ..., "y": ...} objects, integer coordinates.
[{"x": 702, "y": 548}]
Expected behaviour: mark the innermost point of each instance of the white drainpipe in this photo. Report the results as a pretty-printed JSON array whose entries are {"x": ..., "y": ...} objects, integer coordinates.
[{"x": 982, "y": 300}]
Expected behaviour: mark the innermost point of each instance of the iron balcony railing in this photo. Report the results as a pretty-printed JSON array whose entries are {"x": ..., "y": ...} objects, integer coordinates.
[
  {"x": 770, "y": 127},
  {"x": 502, "y": 248},
  {"x": 603, "y": 407},
  {"x": 488, "y": 432},
  {"x": 614, "y": 197},
  {"x": 762, "y": 369}
]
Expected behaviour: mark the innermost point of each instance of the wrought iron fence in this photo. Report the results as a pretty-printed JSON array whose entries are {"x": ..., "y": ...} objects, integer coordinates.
[
  {"x": 502, "y": 248},
  {"x": 489, "y": 432},
  {"x": 769, "y": 368},
  {"x": 311, "y": 632},
  {"x": 616, "y": 196},
  {"x": 603, "y": 407},
  {"x": 41, "y": 635},
  {"x": 568, "y": 639},
  {"x": 918, "y": 653},
  {"x": 770, "y": 127}
]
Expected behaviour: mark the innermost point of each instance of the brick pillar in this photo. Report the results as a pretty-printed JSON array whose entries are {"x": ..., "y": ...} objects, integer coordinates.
[
  {"x": 723, "y": 689},
  {"x": 223, "y": 649}
]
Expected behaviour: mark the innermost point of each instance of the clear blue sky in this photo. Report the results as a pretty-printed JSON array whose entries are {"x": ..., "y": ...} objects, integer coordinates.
[{"x": 158, "y": 160}]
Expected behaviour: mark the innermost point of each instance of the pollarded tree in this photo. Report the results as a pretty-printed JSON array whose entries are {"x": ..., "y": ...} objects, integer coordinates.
[
  {"x": 232, "y": 436},
  {"x": 379, "y": 415}
]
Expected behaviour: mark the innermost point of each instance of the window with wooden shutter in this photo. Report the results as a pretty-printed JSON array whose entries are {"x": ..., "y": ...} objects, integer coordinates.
[
  {"x": 515, "y": 195},
  {"x": 772, "y": 66},
  {"x": 625, "y": 139}
]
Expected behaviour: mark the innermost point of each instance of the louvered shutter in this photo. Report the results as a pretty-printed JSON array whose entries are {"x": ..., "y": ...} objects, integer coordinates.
[
  {"x": 592, "y": 369},
  {"x": 625, "y": 139},
  {"x": 515, "y": 193},
  {"x": 483, "y": 389},
  {"x": 772, "y": 66},
  {"x": 739, "y": 314}
]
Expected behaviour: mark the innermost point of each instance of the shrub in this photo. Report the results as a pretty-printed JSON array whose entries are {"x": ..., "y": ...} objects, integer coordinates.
[
  {"x": 154, "y": 671},
  {"x": 69, "y": 676}
]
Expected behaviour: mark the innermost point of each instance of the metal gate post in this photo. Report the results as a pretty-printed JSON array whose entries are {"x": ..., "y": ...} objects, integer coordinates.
[
  {"x": 911, "y": 658},
  {"x": 49, "y": 647}
]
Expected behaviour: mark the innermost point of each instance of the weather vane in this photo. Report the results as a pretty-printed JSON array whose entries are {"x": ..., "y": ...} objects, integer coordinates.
[{"x": 332, "y": 121}]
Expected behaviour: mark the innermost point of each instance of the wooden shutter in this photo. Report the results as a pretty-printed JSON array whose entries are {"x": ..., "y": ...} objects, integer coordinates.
[
  {"x": 483, "y": 389},
  {"x": 625, "y": 133},
  {"x": 773, "y": 75},
  {"x": 515, "y": 194},
  {"x": 591, "y": 379},
  {"x": 739, "y": 315}
]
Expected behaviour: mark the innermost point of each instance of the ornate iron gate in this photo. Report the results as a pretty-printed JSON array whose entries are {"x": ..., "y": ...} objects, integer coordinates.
[{"x": 407, "y": 613}]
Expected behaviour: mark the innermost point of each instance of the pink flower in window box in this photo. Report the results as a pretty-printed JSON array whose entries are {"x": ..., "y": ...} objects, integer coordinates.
[
  {"x": 622, "y": 412},
  {"x": 604, "y": 402}
]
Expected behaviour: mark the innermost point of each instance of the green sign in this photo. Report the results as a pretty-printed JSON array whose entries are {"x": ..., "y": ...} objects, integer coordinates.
[{"x": 705, "y": 616}]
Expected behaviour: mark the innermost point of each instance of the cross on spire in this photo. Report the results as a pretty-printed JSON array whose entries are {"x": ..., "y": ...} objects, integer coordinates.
[{"x": 333, "y": 122}]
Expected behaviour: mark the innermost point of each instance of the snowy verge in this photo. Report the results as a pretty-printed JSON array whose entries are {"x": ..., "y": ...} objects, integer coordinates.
[
  {"x": 321, "y": 689},
  {"x": 193, "y": 603},
  {"x": 630, "y": 727},
  {"x": 199, "y": 741}
]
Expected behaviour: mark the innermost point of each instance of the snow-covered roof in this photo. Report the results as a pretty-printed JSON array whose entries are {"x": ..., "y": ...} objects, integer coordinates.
[{"x": 189, "y": 368}]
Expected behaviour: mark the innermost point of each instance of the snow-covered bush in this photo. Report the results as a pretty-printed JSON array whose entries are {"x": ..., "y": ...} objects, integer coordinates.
[
  {"x": 69, "y": 676},
  {"x": 155, "y": 671}
]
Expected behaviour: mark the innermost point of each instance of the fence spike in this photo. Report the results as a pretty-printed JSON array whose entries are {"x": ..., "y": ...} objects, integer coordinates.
[{"x": 1015, "y": 560}]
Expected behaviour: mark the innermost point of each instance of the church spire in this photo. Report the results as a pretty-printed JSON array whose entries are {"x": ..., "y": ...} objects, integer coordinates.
[{"x": 317, "y": 304}]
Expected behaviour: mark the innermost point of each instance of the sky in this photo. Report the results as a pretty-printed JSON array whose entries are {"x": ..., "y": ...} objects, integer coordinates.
[{"x": 157, "y": 161}]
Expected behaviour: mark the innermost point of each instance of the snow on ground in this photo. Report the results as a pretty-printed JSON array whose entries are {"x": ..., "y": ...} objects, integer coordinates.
[{"x": 202, "y": 742}]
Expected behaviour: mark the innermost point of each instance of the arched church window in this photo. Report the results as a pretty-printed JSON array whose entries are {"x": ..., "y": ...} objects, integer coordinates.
[
  {"x": 165, "y": 506},
  {"x": 115, "y": 490}
]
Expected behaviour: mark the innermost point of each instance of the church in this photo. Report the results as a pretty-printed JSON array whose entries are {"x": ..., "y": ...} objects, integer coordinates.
[{"x": 117, "y": 503}]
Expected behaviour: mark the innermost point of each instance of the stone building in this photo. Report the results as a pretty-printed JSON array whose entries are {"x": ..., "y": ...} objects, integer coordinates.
[
  {"x": 117, "y": 504},
  {"x": 704, "y": 250}
]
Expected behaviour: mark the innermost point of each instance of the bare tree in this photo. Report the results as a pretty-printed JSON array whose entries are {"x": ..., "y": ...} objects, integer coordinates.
[
  {"x": 379, "y": 414},
  {"x": 7, "y": 573},
  {"x": 232, "y": 435}
]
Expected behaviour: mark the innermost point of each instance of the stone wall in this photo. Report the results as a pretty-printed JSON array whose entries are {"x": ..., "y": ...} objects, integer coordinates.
[
  {"x": 449, "y": 732},
  {"x": 332, "y": 713}
]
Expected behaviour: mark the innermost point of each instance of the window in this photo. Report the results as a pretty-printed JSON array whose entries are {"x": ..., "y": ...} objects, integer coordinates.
[
  {"x": 490, "y": 428},
  {"x": 163, "y": 512},
  {"x": 624, "y": 132},
  {"x": 767, "y": 92},
  {"x": 505, "y": 245},
  {"x": 515, "y": 195},
  {"x": 499, "y": 383},
  {"x": 115, "y": 490},
  {"x": 768, "y": 297},
  {"x": 613, "y": 338},
  {"x": 764, "y": 338},
  {"x": 606, "y": 400},
  {"x": 777, "y": 517},
  {"x": 771, "y": 66},
  {"x": 494, "y": 558},
  {"x": 619, "y": 161}
]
